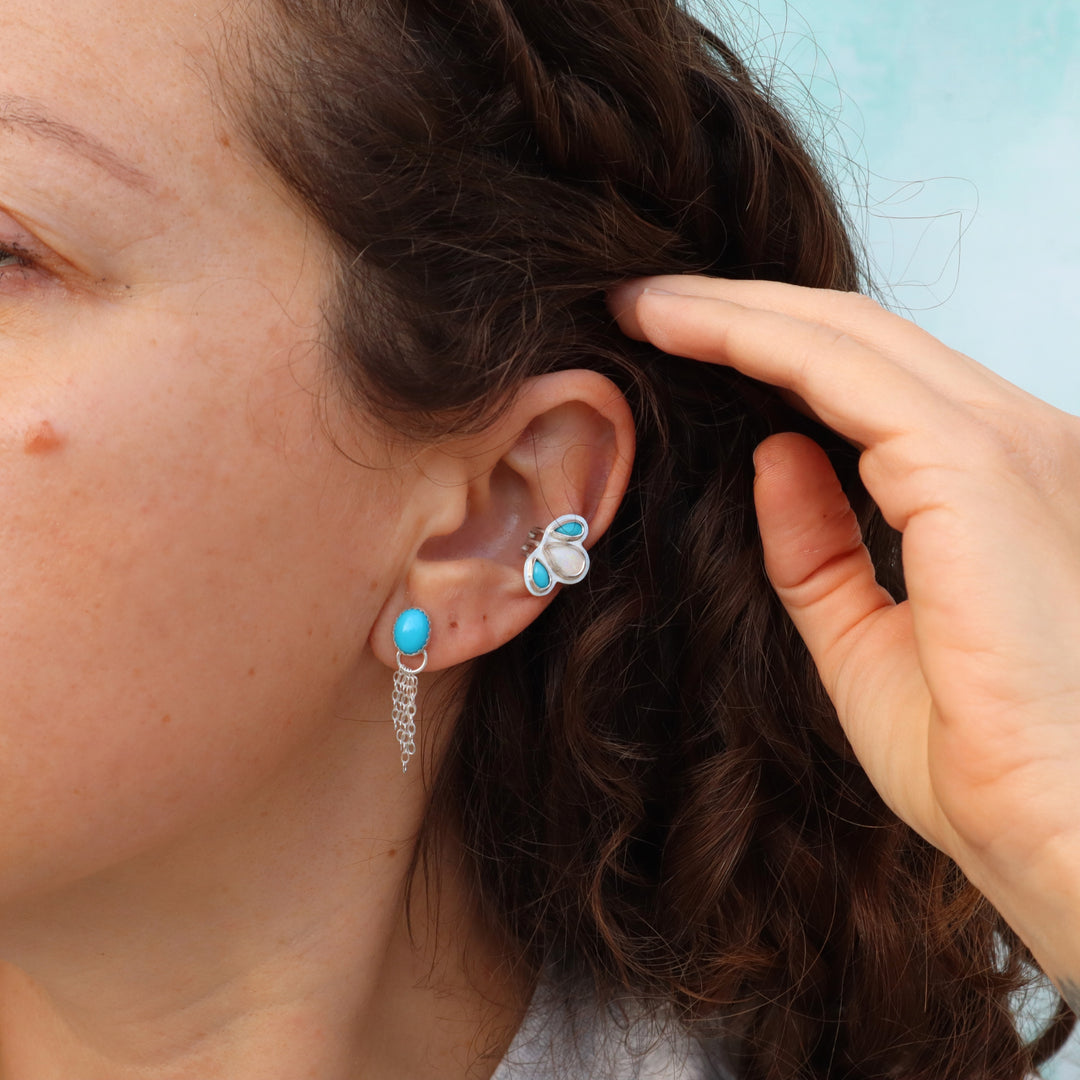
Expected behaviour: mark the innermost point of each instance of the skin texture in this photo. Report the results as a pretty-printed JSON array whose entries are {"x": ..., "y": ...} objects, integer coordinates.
[
  {"x": 204, "y": 826},
  {"x": 962, "y": 703}
]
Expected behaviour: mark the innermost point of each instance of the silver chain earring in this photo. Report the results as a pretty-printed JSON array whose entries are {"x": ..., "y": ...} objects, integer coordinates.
[
  {"x": 412, "y": 632},
  {"x": 556, "y": 555}
]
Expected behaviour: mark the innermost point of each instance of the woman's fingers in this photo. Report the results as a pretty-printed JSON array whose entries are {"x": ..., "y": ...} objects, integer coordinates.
[
  {"x": 961, "y": 702},
  {"x": 860, "y": 640},
  {"x": 848, "y": 313},
  {"x": 855, "y": 315},
  {"x": 814, "y": 554},
  {"x": 849, "y": 386}
]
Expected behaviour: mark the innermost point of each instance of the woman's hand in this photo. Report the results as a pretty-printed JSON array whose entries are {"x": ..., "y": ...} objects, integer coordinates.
[{"x": 963, "y": 702}]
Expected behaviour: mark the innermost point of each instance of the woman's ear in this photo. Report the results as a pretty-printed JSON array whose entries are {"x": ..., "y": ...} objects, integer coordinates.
[{"x": 565, "y": 446}]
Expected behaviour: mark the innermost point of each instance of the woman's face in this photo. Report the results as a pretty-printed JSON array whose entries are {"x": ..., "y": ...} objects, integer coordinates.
[{"x": 186, "y": 575}]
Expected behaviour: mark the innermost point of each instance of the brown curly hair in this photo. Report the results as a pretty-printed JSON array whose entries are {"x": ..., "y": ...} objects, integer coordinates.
[{"x": 652, "y": 787}]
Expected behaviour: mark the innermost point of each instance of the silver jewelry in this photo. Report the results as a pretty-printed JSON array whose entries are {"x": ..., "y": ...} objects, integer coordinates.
[
  {"x": 412, "y": 632},
  {"x": 556, "y": 555}
]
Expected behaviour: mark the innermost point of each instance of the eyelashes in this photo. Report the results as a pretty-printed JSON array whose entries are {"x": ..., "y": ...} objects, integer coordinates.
[
  {"x": 18, "y": 267},
  {"x": 14, "y": 258},
  {"x": 11, "y": 255}
]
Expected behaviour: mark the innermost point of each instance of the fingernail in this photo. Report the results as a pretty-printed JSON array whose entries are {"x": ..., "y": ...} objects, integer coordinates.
[{"x": 659, "y": 292}]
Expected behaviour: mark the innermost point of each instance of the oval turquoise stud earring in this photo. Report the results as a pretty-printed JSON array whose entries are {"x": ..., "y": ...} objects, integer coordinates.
[
  {"x": 556, "y": 555},
  {"x": 412, "y": 632}
]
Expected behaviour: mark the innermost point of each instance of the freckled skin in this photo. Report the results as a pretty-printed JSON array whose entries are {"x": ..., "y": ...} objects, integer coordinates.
[
  {"x": 42, "y": 438},
  {"x": 195, "y": 521},
  {"x": 194, "y": 892}
]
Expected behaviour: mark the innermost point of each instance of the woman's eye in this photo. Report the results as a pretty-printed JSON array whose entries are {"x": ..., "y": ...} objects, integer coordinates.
[
  {"x": 11, "y": 258},
  {"x": 18, "y": 268}
]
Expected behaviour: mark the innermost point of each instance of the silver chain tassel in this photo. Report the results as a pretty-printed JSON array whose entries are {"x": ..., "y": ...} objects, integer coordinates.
[{"x": 405, "y": 686}]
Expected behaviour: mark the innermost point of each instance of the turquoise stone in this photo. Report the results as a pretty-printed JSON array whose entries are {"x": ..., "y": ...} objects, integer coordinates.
[
  {"x": 570, "y": 528},
  {"x": 541, "y": 578},
  {"x": 412, "y": 631}
]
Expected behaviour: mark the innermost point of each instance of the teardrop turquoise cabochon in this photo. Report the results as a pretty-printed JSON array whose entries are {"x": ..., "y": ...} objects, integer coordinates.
[
  {"x": 570, "y": 528},
  {"x": 412, "y": 631},
  {"x": 540, "y": 575}
]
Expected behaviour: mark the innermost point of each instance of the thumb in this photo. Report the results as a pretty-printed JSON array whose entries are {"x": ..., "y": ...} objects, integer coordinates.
[
  {"x": 859, "y": 638},
  {"x": 814, "y": 554}
]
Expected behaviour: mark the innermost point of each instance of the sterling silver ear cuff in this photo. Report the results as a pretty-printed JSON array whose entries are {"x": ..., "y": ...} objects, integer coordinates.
[{"x": 556, "y": 555}]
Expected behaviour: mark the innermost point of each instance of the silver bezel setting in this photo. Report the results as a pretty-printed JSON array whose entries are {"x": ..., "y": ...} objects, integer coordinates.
[{"x": 539, "y": 542}]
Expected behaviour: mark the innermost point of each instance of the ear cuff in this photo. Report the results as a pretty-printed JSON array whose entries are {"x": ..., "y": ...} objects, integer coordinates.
[{"x": 556, "y": 555}]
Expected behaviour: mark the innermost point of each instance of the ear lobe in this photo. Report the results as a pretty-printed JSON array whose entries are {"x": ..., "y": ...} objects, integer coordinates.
[
  {"x": 564, "y": 447},
  {"x": 479, "y": 605}
]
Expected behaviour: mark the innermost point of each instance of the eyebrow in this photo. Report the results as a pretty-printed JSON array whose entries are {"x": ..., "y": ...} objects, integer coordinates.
[{"x": 26, "y": 114}]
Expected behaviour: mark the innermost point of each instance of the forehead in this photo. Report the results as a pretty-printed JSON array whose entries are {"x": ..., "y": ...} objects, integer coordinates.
[
  {"x": 139, "y": 89},
  {"x": 139, "y": 76}
]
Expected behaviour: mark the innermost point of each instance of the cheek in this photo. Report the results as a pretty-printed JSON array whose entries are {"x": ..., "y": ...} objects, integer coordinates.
[{"x": 179, "y": 604}]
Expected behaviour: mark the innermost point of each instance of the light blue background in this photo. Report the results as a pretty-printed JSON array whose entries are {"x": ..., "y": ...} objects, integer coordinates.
[{"x": 953, "y": 127}]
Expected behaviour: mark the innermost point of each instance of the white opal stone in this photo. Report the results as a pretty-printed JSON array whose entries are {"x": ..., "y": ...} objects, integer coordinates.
[{"x": 566, "y": 560}]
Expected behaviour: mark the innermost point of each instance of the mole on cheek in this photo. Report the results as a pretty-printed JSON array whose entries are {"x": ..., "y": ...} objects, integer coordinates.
[{"x": 41, "y": 439}]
